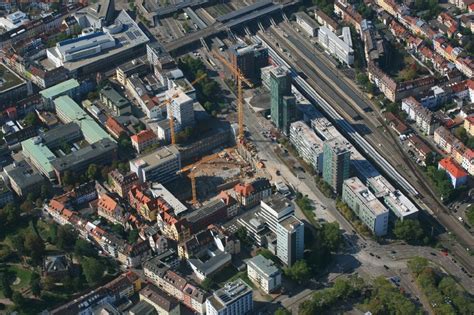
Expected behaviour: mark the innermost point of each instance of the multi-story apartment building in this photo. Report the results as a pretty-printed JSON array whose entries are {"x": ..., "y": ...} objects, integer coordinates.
[
  {"x": 122, "y": 183},
  {"x": 160, "y": 165},
  {"x": 264, "y": 274},
  {"x": 143, "y": 140},
  {"x": 308, "y": 145},
  {"x": 455, "y": 172},
  {"x": 336, "y": 162},
  {"x": 235, "y": 298},
  {"x": 365, "y": 205},
  {"x": 444, "y": 139},
  {"x": 250, "y": 194}
]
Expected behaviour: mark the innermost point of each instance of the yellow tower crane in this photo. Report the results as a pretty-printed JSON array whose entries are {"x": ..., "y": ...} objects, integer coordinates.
[
  {"x": 168, "y": 103},
  {"x": 192, "y": 168},
  {"x": 240, "y": 78}
]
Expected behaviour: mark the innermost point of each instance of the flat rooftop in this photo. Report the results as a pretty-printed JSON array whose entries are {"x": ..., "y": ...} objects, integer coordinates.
[
  {"x": 131, "y": 36},
  {"x": 8, "y": 79},
  {"x": 307, "y": 19},
  {"x": 59, "y": 89},
  {"x": 290, "y": 223},
  {"x": 159, "y": 156},
  {"x": 364, "y": 194},
  {"x": 265, "y": 266}
]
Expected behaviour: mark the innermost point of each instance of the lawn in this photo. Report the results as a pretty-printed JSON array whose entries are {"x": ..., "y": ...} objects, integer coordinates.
[{"x": 19, "y": 277}]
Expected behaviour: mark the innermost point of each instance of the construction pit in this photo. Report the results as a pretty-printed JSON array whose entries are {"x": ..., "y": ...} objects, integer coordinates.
[{"x": 213, "y": 174}]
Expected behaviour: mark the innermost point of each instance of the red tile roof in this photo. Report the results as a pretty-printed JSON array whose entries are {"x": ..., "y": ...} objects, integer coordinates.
[
  {"x": 143, "y": 136},
  {"x": 452, "y": 168},
  {"x": 244, "y": 189},
  {"x": 114, "y": 126}
]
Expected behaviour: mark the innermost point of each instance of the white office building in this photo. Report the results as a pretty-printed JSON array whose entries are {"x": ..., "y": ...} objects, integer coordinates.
[
  {"x": 341, "y": 48},
  {"x": 307, "y": 23},
  {"x": 290, "y": 240},
  {"x": 235, "y": 298},
  {"x": 182, "y": 108},
  {"x": 275, "y": 209},
  {"x": 13, "y": 21},
  {"x": 263, "y": 273},
  {"x": 365, "y": 205},
  {"x": 80, "y": 47},
  {"x": 159, "y": 166},
  {"x": 308, "y": 145}
]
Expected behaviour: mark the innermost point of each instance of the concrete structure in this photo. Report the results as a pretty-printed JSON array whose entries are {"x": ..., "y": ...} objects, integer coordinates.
[
  {"x": 235, "y": 298},
  {"x": 264, "y": 274},
  {"x": 400, "y": 206},
  {"x": 39, "y": 155},
  {"x": 160, "y": 166},
  {"x": 338, "y": 47},
  {"x": 85, "y": 46},
  {"x": 115, "y": 40},
  {"x": 274, "y": 209},
  {"x": 290, "y": 240},
  {"x": 336, "y": 162},
  {"x": 13, "y": 21},
  {"x": 69, "y": 87},
  {"x": 283, "y": 103},
  {"x": 101, "y": 152},
  {"x": 182, "y": 107},
  {"x": 12, "y": 87},
  {"x": 308, "y": 24},
  {"x": 69, "y": 111},
  {"x": 249, "y": 59},
  {"x": 116, "y": 102},
  {"x": 308, "y": 145},
  {"x": 23, "y": 179},
  {"x": 365, "y": 205}
]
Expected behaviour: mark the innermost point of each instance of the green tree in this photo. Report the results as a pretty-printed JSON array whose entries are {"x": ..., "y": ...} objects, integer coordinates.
[
  {"x": 92, "y": 172},
  {"x": 417, "y": 264},
  {"x": 132, "y": 236},
  {"x": 66, "y": 238},
  {"x": 68, "y": 178},
  {"x": 461, "y": 134},
  {"x": 470, "y": 215},
  {"x": 282, "y": 311},
  {"x": 6, "y": 288},
  {"x": 34, "y": 247},
  {"x": 92, "y": 269},
  {"x": 299, "y": 272},
  {"x": 9, "y": 215},
  {"x": 208, "y": 284},
  {"x": 18, "y": 242},
  {"x": 83, "y": 248},
  {"x": 31, "y": 119},
  {"x": 243, "y": 237},
  {"x": 27, "y": 206},
  {"x": 408, "y": 230},
  {"x": 331, "y": 236},
  {"x": 18, "y": 299},
  {"x": 35, "y": 284}
]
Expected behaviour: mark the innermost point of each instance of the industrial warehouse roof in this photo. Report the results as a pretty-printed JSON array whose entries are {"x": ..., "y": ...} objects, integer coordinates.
[
  {"x": 40, "y": 152},
  {"x": 59, "y": 89},
  {"x": 67, "y": 107}
]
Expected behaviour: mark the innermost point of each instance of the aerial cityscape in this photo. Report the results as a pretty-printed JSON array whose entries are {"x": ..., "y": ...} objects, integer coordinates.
[{"x": 237, "y": 157}]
